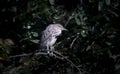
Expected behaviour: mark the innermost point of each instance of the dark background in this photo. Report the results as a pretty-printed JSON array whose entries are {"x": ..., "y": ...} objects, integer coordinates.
[{"x": 91, "y": 42}]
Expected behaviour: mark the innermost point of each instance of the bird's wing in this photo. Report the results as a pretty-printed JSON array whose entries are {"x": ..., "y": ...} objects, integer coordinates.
[{"x": 45, "y": 37}]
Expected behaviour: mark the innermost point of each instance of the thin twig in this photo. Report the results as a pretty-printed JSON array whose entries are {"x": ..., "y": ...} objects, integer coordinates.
[
  {"x": 21, "y": 55},
  {"x": 114, "y": 13},
  {"x": 65, "y": 39},
  {"x": 68, "y": 61},
  {"x": 28, "y": 54},
  {"x": 71, "y": 45},
  {"x": 68, "y": 20},
  {"x": 89, "y": 46},
  {"x": 70, "y": 17}
]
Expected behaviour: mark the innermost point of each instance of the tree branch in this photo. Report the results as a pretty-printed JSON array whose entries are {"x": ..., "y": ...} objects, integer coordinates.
[
  {"x": 63, "y": 57},
  {"x": 55, "y": 54}
]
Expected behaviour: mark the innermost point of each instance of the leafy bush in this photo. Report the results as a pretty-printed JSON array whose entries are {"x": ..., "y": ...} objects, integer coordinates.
[{"x": 91, "y": 45}]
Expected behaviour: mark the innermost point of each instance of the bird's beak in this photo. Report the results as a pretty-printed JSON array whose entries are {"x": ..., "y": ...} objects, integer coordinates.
[{"x": 65, "y": 29}]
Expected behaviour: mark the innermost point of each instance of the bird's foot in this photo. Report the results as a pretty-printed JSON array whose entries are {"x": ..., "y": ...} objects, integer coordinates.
[{"x": 51, "y": 53}]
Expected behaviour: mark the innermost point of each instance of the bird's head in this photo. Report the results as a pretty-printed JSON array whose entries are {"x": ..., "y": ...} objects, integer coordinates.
[{"x": 59, "y": 26}]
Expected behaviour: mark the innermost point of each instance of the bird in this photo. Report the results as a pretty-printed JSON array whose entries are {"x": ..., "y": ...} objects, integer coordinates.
[{"x": 49, "y": 36}]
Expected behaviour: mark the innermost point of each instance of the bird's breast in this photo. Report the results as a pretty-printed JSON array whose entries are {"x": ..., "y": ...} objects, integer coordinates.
[{"x": 52, "y": 42}]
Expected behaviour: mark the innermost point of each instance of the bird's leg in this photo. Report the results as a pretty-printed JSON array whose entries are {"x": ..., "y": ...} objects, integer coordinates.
[
  {"x": 51, "y": 49},
  {"x": 48, "y": 49}
]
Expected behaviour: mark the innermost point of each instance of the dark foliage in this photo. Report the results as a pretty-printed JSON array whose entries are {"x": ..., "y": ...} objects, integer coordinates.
[{"x": 91, "y": 43}]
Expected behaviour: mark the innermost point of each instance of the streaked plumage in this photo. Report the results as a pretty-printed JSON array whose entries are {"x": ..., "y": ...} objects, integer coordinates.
[{"x": 49, "y": 35}]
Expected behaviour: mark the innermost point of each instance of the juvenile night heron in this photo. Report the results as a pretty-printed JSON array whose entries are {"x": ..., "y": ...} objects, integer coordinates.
[{"x": 49, "y": 36}]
